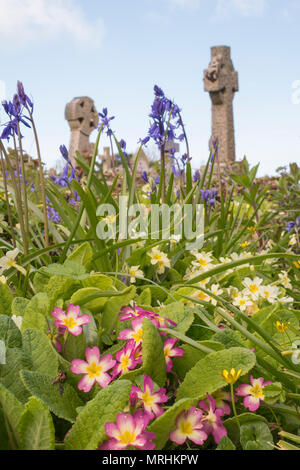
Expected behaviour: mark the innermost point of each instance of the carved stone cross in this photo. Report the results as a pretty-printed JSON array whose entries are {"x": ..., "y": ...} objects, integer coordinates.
[
  {"x": 221, "y": 81},
  {"x": 83, "y": 118}
]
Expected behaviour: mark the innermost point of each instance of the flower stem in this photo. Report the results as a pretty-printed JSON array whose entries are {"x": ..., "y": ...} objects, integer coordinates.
[{"x": 233, "y": 406}]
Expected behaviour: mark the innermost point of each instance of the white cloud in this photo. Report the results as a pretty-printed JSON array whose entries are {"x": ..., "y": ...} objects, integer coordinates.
[
  {"x": 27, "y": 20},
  {"x": 225, "y": 8}
]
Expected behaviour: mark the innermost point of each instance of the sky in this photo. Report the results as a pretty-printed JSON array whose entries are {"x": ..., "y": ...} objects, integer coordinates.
[{"x": 116, "y": 51}]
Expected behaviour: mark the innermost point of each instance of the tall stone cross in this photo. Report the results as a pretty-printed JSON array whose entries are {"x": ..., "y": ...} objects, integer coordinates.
[
  {"x": 221, "y": 81},
  {"x": 82, "y": 117}
]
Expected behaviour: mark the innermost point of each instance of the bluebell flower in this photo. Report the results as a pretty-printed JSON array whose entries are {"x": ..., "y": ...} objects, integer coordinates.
[
  {"x": 14, "y": 112},
  {"x": 145, "y": 177},
  {"x": 196, "y": 176},
  {"x": 105, "y": 121},
  {"x": 291, "y": 225},
  {"x": 160, "y": 111},
  {"x": 24, "y": 99},
  {"x": 65, "y": 154}
]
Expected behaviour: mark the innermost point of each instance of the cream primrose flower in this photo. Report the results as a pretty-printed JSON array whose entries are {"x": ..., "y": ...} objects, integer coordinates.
[
  {"x": 174, "y": 239},
  {"x": 242, "y": 301},
  {"x": 160, "y": 259},
  {"x": 293, "y": 240},
  {"x": 204, "y": 261},
  {"x": 285, "y": 300},
  {"x": 8, "y": 261},
  {"x": 3, "y": 279},
  {"x": 200, "y": 295},
  {"x": 216, "y": 290},
  {"x": 284, "y": 280},
  {"x": 252, "y": 287},
  {"x": 135, "y": 271},
  {"x": 270, "y": 293}
]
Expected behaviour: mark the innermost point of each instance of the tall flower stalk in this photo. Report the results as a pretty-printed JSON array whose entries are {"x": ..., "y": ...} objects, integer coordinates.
[{"x": 27, "y": 103}]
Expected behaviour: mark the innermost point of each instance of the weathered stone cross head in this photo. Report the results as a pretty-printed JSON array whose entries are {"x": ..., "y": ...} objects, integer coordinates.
[
  {"x": 83, "y": 118},
  {"x": 221, "y": 81}
]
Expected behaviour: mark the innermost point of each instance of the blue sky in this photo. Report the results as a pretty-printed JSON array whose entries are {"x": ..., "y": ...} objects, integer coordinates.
[{"x": 115, "y": 51}]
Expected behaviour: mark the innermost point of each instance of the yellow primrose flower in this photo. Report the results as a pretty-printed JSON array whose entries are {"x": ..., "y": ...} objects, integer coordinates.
[
  {"x": 232, "y": 376},
  {"x": 281, "y": 326},
  {"x": 244, "y": 245}
]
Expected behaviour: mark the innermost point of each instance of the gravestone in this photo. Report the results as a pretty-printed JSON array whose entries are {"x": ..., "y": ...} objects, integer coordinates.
[
  {"x": 221, "y": 81},
  {"x": 143, "y": 162},
  {"x": 83, "y": 118},
  {"x": 107, "y": 163}
]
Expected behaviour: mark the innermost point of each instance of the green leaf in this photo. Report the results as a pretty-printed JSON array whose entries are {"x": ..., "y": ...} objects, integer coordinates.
[
  {"x": 177, "y": 312},
  {"x": 113, "y": 307},
  {"x": 70, "y": 269},
  {"x": 74, "y": 347},
  {"x": 18, "y": 306},
  {"x": 38, "y": 346},
  {"x": 226, "y": 444},
  {"x": 88, "y": 432},
  {"x": 5, "y": 299},
  {"x": 154, "y": 363},
  {"x": 82, "y": 255},
  {"x": 36, "y": 312},
  {"x": 163, "y": 425},
  {"x": 274, "y": 393},
  {"x": 59, "y": 287},
  {"x": 145, "y": 297},
  {"x": 62, "y": 405},
  {"x": 10, "y": 333},
  {"x": 40, "y": 281},
  {"x": 83, "y": 296},
  {"x": 12, "y": 410},
  {"x": 205, "y": 376},
  {"x": 16, "y": 360},
  {"x": 256, "y": 436},
  {"x": 191, "y": 356},
  {"x": 36, "y": 428},
  {"x": 100, "y": 281},
  {"x": 245, "y": 418}
]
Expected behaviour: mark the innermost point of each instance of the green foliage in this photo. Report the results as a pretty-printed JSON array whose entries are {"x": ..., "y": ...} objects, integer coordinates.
[
  {"x": 63, "y": 405},
  {"x": 10, "y": 333},
  {"x": 88, "y": 432},
  {"x": 39, "y": 348},
  {"x": 36, "y": 428},
  {"x": 205, "y": 376},
  {"x": 154, "y": 363},
  {"x": 256, "y": 436},
  {"x": 5, "y": 299}
]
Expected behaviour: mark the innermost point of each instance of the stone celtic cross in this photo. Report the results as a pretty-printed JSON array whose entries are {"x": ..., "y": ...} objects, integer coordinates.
[
  {"x": 82, "y": 117},
  {"x": 221, "y": 81}
]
